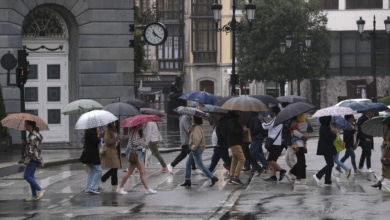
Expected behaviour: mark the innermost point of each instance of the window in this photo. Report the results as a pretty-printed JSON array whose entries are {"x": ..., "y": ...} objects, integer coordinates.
[
  {"x": 363, "y": 4},
  {"x": 329, "y": 4},
  {"x": 170, "y": 54},
  {"x": 204, "y": 41}
]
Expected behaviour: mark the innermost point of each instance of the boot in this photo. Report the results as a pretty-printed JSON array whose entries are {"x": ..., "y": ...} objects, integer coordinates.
[
  {"x": 187, "y": 183},
  {"x": 213, "y": 180}
]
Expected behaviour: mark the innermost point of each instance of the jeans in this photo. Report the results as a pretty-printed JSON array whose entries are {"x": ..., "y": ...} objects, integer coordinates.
[
  {"x": 327, "y": 169},
  {"x": 337, "y": 161},
  {"x": 196, "y": 155},
  {"x": 113, "y": 173},
  {"x": 183, "y": 153},
  {"x": 256, "y": 151},
  {"x": 93, "y": 177},
  {"x": 28, "y": 175},
  {"x": 238, "y": 160},
  {"x": 349, "y": 151},
  {"x": 220, "y": 153}
]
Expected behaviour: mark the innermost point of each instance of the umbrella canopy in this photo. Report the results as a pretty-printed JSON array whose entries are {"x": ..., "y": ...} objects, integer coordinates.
[
  {"x": 122, "y": 109},
  {"x": 80, "y": 106},
  {"x": 151, "y": 111},
  {"x": 291, "y": 111},
  {"x": 334, "y": 110},
  {"x": 266, "y": 99},
  {"x": 341, "y": 123},
  {"x": 214, "y": 109},
  {"x": 139, "y": 119},
  {"x": 16, "y": 121},
  {"x": 199, "y": 96},
  {"x": 355, "y": 106},
  {"x": 222, "y": 100},
  {"x": 292, "y": 99},
  {"x": 94, "y": 119},
  {"x": 190, "y": 111},
  {"x": 132, "y": 101},
  {"x": 377, "y": 107},
  {"x": 245, "y": 103},
  {"x": 373, "y": 126}
]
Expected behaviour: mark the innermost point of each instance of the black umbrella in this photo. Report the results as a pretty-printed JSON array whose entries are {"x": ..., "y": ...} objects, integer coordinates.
[
  {"x": 222, "y": 100},
  {"x": 132, "y": 101},
  {"x": 292, "y": 99},
  {"x": 266, "y": 99},
  {"x": 291, "y": 111},
  {"x": 374, "y": 127},
  {"x": 122, "y": 109}
]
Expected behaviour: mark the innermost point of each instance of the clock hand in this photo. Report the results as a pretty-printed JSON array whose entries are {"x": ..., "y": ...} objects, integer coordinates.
[{"x": 154, "y": 33}]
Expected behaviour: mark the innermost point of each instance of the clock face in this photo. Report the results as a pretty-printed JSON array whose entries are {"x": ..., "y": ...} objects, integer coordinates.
[{"x": 155, "y": 33}]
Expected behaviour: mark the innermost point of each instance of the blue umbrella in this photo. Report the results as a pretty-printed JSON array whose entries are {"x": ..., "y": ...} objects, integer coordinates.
[
  {"x": 341, "y": 123},
  {"x": 377, "y": 107},
  {"x": 200, "y": 96},
  {"x": 355, "y": 106}
]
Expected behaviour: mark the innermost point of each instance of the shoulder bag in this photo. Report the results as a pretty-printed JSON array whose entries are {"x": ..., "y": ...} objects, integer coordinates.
[{"x": 270, "y": 141}]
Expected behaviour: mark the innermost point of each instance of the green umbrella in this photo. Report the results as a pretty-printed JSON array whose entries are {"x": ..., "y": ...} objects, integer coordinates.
[{"x": 80, "y": 106}]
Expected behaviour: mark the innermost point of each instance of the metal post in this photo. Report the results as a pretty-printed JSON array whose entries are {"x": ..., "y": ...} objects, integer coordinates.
[
  {"x": 233, "y": 76},
  {"x": 373, "y": 62},
  {"x": 22, "y": 133}
]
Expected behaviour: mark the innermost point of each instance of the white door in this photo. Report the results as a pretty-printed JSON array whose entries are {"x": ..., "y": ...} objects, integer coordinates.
[{"x": 46, "y": 95}]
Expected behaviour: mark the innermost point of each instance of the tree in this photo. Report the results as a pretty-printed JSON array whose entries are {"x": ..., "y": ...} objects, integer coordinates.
[{"x": 259, "y": 56}]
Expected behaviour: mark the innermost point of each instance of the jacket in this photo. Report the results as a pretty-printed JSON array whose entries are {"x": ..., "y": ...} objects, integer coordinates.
[
  {"x": 90, "y": 154},
  {"x": 362, "y": 136},
  {"x": 325, "y": 141},
  {"x": 222, "y": 133},
  {"x": 234, "y": 131},
  {"x": 33, "y": 151},
  {"x": 109, "y": 156},
  {"x": 197, "y": 138}
]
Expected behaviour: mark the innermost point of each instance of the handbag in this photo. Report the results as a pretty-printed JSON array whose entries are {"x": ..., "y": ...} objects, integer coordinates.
[
  {"x": 339, "y": 144},
  {"x": 133, "y": 158},
  {"x": 270, "y": 141},
  {"x": 385, "y": 160}
]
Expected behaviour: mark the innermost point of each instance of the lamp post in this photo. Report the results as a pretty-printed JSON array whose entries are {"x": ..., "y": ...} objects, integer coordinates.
[
  {"x": 372, "y": 37},
  {"x": 232, "y": 27},
  {"x": 300, "y": 51}
]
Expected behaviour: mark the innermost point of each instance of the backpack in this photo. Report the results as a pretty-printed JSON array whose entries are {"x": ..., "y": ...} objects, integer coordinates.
[{"x": 286, "y": 135}]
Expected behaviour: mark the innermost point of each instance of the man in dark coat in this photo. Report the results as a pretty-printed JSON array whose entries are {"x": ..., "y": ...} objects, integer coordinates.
[
  {"x": 365, "y": 141},
  {"x": 221, "y": 151}
]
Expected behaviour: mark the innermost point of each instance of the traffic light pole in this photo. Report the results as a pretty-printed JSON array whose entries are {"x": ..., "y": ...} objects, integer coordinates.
[{"x": 23, "y": 132}]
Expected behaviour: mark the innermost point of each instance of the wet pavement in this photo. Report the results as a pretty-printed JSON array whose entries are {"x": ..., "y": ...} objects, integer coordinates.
[{"x": 64, "y": 178}]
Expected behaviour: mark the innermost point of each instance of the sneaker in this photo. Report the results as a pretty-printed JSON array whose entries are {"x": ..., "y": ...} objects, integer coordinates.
[
  {"x": 338, "y": 169},
  {"x": 121, "y": 191},
  {"x": 236, "y": 181},
  {"x": 282, "y": 174},
  {"x": 125, "y": 170},
  {"x": 31, "y": 199},
  {"x": 272, "y": 179},
  {"x": 164, "y": 170},
  {"x": 328, "y": 184},
  {"x": 316, "y": 179},
  {"x": 150, "y": 191},
  {"x": 289, "y": 176},
  {"x": 348, "y": 173},
  {"x": 370, "y": 170},
  {"x": 230, "y": 181},
  {"x": 246, "y": 168},
  {"x": 94, "y": 191},
  {"x": 297, "y": 182},
  {"x": 170, "y": 168},
  {"x": 40, "y": 194},
  {"x": 357, "y": 172}
]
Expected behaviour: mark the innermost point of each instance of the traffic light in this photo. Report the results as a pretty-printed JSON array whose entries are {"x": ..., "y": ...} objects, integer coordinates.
[
  {"x": 22, "y": 70},
  {"x": 22, "y": 59}
]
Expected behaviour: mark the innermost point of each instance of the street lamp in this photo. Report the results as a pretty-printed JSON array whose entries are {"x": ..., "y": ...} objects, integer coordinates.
[
  {"x": 372, "y": 37},
  {"x": 300, "y": 50},
  {"x": 232, "y": 27}
]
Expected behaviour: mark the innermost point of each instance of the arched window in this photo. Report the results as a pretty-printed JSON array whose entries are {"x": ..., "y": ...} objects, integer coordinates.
[{"x": 44, "y": 23}]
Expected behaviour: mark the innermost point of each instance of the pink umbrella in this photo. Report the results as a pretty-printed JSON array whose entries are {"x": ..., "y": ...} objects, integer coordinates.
[{"x": 139, "y": 119}]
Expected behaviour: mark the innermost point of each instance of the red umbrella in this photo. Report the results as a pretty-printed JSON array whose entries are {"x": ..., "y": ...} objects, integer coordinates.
[{"x": 139, "y": 119}]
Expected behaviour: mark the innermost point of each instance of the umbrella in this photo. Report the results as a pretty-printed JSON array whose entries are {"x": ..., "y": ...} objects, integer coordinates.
[
  {"x": 214, "y": 109},
  {"x": 334, "y": 110},
  {"x": 245, "y": 103},
  {"x": 222, "y": 100},
  {"x": 354, "y": 106},
  {"x": 292, "y": 99},
  {"x": 151, "y": 111},
  {"x": 16, "y": 121},
  {"x": 291, "y": 111},
  {"x": 80, "y": 106},
  {"x": 377, "y": 107},
  {"x": 373, "y": 126},
  {"x": 266, "y": 99},
  {"x": 341, "y": 123},
  {"x": 122, "y": 109},
  {"x": 94, "y": 119},
  {"x": 200, "y": 96},
  {"x": 190, "y": 111},
  {"x": 132, "y": 101},
  {"x": 139, "y": 119}
]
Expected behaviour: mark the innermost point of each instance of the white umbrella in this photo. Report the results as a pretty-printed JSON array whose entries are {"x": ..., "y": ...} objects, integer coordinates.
[
  {"x": 190, "y": 111},
  {"x": 94, "y": 119},
  {"x": 334, "y": 111}
]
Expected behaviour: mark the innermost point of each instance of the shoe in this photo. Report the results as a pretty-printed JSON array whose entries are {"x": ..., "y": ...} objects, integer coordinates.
[
  {"x": 94, "y": 191},
  {"x": 328, "y": 184},
  {"x": 297, "y": 182},
  {"x": 370, "y": 170},
  {"x": 213, "y": 180},
  {"x": 164, "y": 170},
  {"x": 150, "y": 191},
  {"x": 282, "y": 174},
  {"x": 237, "y": 181},
  {"x": 316, "y": 179},
  {"x": 377, "y": 185},
  {"x": 40, "y": 194},
  {"x": 121, "y": 191},
  {"x": 170, "y": 168},
  {"x": 230, "y": 182},
  {"x": 348, "y": 173},
  {"x": 260, "y": 171},
  {"x": 114, "y": 188},
  {"x": 186, "y": 183},
  {"x": 338, "y": 169},
  {"x": 272, "y": 179},
  {"x": 357, "y": 172},
  {"x": 31, "y": 199},
  {"x": 125, "y": 170},
  {"x": 246, "y": 168},
  {"x": 288, "y": 176}
]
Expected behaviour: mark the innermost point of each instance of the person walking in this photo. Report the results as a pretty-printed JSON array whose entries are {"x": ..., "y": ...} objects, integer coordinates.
[
  {"x": 275, "y": 133},
  {"x": 365, "y": 141},
  {"x": 90, "y": 156},
  {"x": 110, "y": 156},
  {"x": 134, "y": 147},
  {"x": 152, "y": 136},
  {"x": 33, "y": 158},
  {"x": 327, "y": 149},
  {"x": 336, "y": 156},
  {"x": 197, "y": 146},
  {"x": 350, "y": 140},
  {"x": 385, "y": 173},
  {"x": 256, "y": 147},
  {"x": 185, "y": 126}
]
